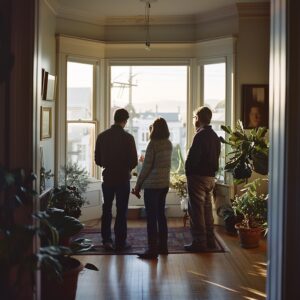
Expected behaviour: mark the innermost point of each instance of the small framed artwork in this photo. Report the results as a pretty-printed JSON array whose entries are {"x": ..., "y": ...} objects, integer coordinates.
[
  {"x": 255, "y": 105},
  {"x": 46, "y": 122},
  {"x": 48, "y": 86}
]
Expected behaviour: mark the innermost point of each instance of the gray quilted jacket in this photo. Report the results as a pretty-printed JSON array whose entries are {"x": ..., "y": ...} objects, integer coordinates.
[{"x": 155, "y": 173}]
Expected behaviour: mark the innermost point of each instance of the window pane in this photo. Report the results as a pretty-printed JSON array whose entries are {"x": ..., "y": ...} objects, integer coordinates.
[
  {"x": 148, "y": 92},
  {"x": 80, "y": 147},
  {"x": 80, "y": 91},
  {"x": 214, "y": 98}
]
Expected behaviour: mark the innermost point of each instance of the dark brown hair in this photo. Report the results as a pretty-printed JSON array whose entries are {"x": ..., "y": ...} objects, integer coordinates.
[
  {"x": 121, "y": 115},
  {"x": 159, "y": 130},
  {"x": 204, "y": 114}
]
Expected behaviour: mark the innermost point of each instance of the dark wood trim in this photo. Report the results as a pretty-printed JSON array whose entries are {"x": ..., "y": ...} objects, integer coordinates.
[
  {"x": 291, "y": 262},
  {"x": 17, "y": 135},
  {"x": 20, "y": 139},
  {"x": 6, "y": 63}
]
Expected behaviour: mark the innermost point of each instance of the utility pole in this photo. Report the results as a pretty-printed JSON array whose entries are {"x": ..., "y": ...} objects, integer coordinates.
[{"x": 128, "y": 85}]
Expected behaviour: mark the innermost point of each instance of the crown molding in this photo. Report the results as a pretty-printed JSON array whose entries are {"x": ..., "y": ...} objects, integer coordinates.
[
  {"x": 139, "y": 20},
  {"x": 81, "y": 16},
  {"x": 52, "y": 5}
]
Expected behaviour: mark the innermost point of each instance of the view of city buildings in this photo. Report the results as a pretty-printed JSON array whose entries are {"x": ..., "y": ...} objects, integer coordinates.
[{"x": 147, "y": 93}]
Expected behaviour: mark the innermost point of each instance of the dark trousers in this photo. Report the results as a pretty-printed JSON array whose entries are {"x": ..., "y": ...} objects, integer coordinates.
[
  {"x": 200, "y": 190},
  {"x": 157, "y": 228},
  {"x": 121, "y": 192}
]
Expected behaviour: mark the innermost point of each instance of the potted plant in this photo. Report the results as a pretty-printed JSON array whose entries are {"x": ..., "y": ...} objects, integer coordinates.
[
  {"x": 18, "y": 230},
  {"x": 59, "y": 270},
  {"x": 226, "y": 212},
  {"x": 249, "y": 151},
  {"x": 252, "y": 205},
  {"x": 65, "y": 225},
  {"x": 178, "y": 182},
  {"x": 68, "y": 195}
]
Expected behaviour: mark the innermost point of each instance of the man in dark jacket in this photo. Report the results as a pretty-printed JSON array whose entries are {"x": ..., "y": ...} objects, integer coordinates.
[
  {"x": 116, "y": 153},
  {"x": 201, "y": 165}
]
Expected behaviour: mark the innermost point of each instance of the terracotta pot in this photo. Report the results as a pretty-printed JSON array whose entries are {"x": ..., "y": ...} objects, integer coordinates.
[
  {"x": 52, "y": 289},
  {"x": 249, "y": 237}
]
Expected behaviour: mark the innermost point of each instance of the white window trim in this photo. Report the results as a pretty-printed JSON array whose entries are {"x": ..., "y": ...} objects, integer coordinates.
[
  {"x": 106, "y": 55},
  {"x": 162, "y": 63},
  {"x": 229, "y": 106}
]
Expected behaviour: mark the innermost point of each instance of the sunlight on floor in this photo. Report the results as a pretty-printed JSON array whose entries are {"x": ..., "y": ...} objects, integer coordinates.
[
  {"x": 253, "y": 291},
  {"x": 261, "y": 295},
  {"x": 213, "y": 283},
  {"x": 261, "y": 270}
]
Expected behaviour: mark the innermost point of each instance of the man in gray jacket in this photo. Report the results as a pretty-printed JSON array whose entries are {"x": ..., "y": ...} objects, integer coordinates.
[
  {"x": 201, "y": 166},
  {"x": 116, "y": 153}
]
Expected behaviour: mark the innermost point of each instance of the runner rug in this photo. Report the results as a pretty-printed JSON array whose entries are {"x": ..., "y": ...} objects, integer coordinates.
[{"x": 137, "y": 238}]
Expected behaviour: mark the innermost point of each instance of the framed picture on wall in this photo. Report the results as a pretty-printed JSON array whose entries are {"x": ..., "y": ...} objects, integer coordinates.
[
  {"x": 46, "y": 122},
  {"x": 255, "y": 105},
  {"x": 48, "y": 86}
]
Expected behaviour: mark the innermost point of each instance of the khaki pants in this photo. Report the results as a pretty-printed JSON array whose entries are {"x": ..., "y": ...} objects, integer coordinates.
[{"x": 200, "y": 190}]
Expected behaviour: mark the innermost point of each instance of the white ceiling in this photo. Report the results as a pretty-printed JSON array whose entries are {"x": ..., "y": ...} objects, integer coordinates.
[
  {"x": 132, "y": 11},
  {"x": 112, "y": 8}
]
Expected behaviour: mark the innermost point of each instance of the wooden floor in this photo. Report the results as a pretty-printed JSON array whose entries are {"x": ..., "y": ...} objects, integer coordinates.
[{"x": 236, "y": 274}]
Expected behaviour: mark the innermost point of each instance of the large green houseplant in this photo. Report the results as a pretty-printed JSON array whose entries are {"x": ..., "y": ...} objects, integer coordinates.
[
  {"x": 18, "y": 230},
  {"x": 60, "y": 270},
  {"x": 249, "y": 151}
]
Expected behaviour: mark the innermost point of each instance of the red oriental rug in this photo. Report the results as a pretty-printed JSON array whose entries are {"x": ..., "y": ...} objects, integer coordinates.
[{"x": 137, "y": 238}]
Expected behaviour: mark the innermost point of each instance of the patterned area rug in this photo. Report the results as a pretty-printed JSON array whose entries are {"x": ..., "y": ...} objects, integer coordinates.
[{"x": 137, "y": 238}]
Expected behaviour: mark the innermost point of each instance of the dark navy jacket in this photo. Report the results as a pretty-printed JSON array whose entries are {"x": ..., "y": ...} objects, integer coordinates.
[
  {"x": 203, "y": 156},
  {"x": 116, "y": 153}
]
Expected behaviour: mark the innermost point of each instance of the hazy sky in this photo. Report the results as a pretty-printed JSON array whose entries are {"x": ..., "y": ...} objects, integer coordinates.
[{"x": 164, "y": 86}]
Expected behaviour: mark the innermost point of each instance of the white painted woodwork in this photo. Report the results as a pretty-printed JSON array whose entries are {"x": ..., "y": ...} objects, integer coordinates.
[{"x": 103, "y": 55}]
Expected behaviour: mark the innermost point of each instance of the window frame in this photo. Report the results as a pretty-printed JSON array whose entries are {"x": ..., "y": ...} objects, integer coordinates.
[
  {"x": 229, "y": 92},
  {"x": 160, "y": 63},
  {"x": 93, "y": 120},
  {"x": 105, "y": 54}
]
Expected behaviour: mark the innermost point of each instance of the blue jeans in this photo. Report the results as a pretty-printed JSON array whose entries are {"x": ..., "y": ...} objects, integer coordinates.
[
  {"x": 121, "y": 192},
  {"x": 157, "y": 228}
]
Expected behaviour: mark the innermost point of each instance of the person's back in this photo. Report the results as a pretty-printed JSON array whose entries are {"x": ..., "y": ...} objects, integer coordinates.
[
  {"x": 116, "y": 153},
  {"x": 154, "y": 178},
  {"x": 203, "y": 158},
  {"x": 201, "y": 166},
  {"x": 156, "y": 172}
]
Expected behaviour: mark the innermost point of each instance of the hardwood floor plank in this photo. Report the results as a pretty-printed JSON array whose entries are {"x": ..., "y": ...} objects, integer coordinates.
[{"x": 237, "y": 274}]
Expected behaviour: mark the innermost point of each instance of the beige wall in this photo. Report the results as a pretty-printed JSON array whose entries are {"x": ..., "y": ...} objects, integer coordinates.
[
  {"x": 47, "y": 61},
  {"x": 217, "y": 28},
  {"x": 252, "y": 59}
]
